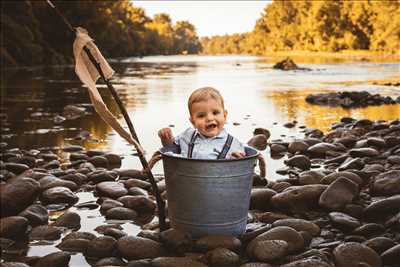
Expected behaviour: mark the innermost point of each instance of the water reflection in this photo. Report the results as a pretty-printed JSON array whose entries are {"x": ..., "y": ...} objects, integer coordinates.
[{"x": 155, "y": 90}]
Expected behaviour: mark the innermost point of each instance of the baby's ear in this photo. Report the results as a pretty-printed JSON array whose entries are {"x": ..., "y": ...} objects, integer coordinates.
[
  {"x": 225, "y": 113},
  {"x": 191, "y": 120}
]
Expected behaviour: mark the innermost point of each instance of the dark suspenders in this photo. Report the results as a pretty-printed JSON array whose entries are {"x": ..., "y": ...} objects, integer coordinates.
[{"x": 221, "y": 155}]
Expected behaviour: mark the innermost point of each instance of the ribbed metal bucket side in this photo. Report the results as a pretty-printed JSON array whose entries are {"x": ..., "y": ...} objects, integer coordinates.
[{"x": 208, "y": 196}]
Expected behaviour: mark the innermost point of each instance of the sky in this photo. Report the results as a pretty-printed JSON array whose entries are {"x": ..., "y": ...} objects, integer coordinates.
[{"x": 209, "y": 17}]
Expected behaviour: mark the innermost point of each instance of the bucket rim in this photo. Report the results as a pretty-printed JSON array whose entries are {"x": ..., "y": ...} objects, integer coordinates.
[{"x": 210, "y": 160}]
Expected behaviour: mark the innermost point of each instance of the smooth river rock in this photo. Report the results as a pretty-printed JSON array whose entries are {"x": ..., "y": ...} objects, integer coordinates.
[{"x": 352, "y": 254}]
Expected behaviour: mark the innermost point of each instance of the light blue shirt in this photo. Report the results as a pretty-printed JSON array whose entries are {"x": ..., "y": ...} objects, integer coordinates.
[{"x": 207, "y": 147}]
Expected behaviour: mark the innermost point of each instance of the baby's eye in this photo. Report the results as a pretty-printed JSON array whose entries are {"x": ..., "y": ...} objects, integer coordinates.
[
  {"x": 216, "y": 112},
  {"x": 200, "y": 115}
]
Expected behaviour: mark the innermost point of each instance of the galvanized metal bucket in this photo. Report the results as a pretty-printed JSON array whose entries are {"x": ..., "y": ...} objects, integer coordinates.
[{"x": 208, "y": 196}]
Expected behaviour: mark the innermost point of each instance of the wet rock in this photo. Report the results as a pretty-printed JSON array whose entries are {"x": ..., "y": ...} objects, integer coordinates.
[
  {"x": 80, "y": 235},
  {"x": 113, "y": 159},
  {"x": 18, "y": 195},
  {"x": 299, "y": 225},
  {"x": 13, "y": 227},
  {"x": 321, "y": 149},
  {"x": 73, "y": 148},
  {"x": 116, "y": 233},
  {"x": 99, "y": 161},
  {"x": 140, "y": 204},
  {"x": 176, "y": 240},
  {"x": 132, "y": 173},
  {"x": 74, "y": 245},
  {"x": 218, "y": 241},
  {"x": 121, "y": 213},
  {"x": 270, "y": 217},
  {"x": 99, "y": 176},
  {"x": 300, "y": 161},
  {"x": 101, "y": 247},
  {"x": 45, "y": 232},
  {"x": 52, "y": 181},
  {"x": 298, "y": 197},
  {"x": 109, "y": 204},
  {"x": 136, "y": 183},
  {"x": 59, "y": 194},
  {"x": 111, "y": 261},
  {"x": 369, "y": 230},
  {"x": 72, "y": 112},
  {"x": 36, "y": 214},
  {"x": 172, "y": 262},
  {"x": 135, "y": 248},
  {"x": 310, "y": 177},
  {"x": 353, "y": 254},
  {"x": 277, "y": 149},
  {"x": 391, "y": 256},
  {"x": 328, "y": 179},
  {"x": 382, "y": 208},
  {"x": 343, "y": 221},
  {"x": 137, "y": 191},
  {"x": 101, "y": 229},
  {"x": 77, "y": 178},
  {"x": 111, "y": 189},
  {"x": 307, "y": 263},
  {"x": 260, "y": 198},
  {"x": 363, "y": 152},
  {"x": 262, "y": 131},
  {"x": 376, "y": 142},
  {"x": 380, "y": 244},
  {"x": 386, "y": 184},
  {"x": 270, "y": 250},
  {"x": 16, "y": 168},
  {"x": 222, "y": 257},
  {"x": 338, "y": 194},
  {"x": 286, "y": 64},
  {"x": 351, "y": 163},
  {"x": 298, "y": 146},
  {"x": 258, "y": 142},
  {"x": 59, "y": 259},
  {"x": 69, "y": 219},
  {"x": 292, "y": 237}
]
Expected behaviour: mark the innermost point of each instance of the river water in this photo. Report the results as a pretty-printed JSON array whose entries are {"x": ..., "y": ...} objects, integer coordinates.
[{"x": 155, "y": 91}]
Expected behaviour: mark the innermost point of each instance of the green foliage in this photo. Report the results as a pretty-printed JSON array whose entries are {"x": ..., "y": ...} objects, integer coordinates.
[
  {"x": 32, "y": 33},
  {"x": 317, "y": 26}
]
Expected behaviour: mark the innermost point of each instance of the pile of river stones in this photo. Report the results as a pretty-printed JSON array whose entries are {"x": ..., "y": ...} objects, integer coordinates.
[
  {"x": 338, "y": 204},
  {"x": 351, "y": 99}
]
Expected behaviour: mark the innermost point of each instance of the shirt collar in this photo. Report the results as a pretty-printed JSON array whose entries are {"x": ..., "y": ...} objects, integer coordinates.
[{"x": 221, "y": 135}]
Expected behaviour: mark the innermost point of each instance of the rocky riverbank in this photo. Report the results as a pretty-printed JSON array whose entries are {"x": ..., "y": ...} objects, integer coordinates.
[
  {"x": 339, "y": 205},
  {"x": 352, "y": 99}
]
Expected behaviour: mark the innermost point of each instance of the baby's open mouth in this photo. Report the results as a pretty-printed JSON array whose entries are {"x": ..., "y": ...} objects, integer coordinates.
[{"x": 211, "y": 126}]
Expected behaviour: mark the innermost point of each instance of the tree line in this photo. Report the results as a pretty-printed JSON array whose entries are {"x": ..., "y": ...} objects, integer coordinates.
[
  {"x": 310, "y": 25},
  {"x": 32, "y": 33}
]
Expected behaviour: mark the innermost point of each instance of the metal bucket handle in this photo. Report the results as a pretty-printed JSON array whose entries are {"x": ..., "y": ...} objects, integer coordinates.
[{"x": 261, "y": 162}]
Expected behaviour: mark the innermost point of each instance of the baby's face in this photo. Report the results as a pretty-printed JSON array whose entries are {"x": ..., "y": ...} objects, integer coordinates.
[{"x": 208, "y": 117}]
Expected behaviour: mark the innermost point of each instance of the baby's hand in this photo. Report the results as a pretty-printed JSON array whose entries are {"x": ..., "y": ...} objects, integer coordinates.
[
  {"x": 166, "y": 136},
  {"x": 238, "y": 154}
]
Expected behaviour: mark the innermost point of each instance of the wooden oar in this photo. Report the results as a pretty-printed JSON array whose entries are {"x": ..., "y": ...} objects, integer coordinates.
[{"x": 143, "y": 161}]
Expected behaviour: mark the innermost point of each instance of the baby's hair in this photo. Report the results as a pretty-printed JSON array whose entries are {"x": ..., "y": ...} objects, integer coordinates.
[{"x": 203, "y": 94}]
